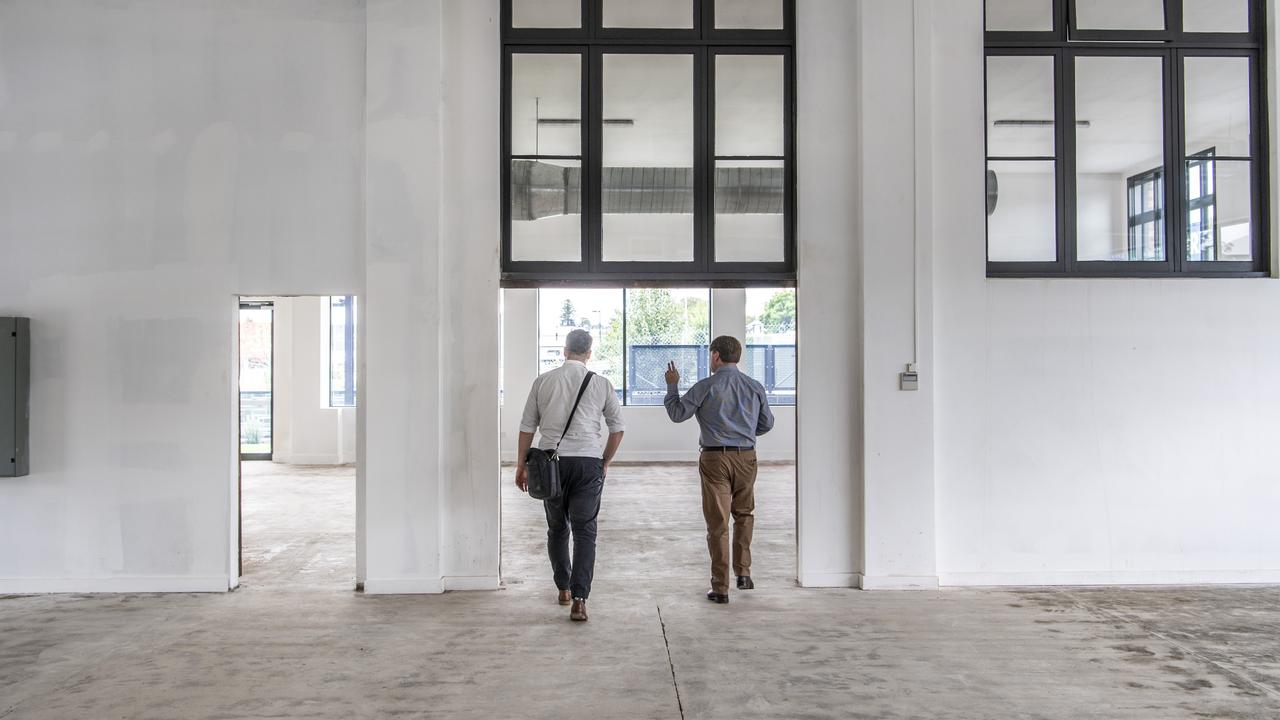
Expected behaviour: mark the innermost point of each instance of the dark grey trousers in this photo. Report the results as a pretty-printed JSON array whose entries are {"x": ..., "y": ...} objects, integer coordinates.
[{"x": 581, "y": 484}]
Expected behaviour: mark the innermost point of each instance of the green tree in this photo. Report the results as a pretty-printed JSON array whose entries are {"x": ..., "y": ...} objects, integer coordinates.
[
  {"x": 566, "y": 313},
  {"x": 779, "y": 313}
]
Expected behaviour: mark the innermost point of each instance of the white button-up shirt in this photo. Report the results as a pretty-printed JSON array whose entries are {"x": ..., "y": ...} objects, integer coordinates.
[{"x": 552, "y": 398}]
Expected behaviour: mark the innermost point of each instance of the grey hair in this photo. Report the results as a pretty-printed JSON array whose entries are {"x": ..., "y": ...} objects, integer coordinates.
[{"x": 578, "y": 342}]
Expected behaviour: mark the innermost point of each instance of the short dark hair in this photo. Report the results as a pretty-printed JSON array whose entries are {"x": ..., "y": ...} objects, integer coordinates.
[
  {"x": 729, "y": 348},
  {"x": 578, "y": 342}
]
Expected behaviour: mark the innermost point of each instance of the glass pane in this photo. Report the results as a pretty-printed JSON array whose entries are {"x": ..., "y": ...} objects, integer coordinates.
[
  {"x": 1217, "y": 98},
  {"x": 750, "y": 102},
  {"x": 546, "y": 13},
  {"x": 749, "y": 15},
  {"x": 546, "y": 210},
  {"x": 1215, "y": 16},
  {"x": 750, "y": 195},
  {"x": 1020, "y": 15},
  {"x": 1120, "y": 14},
  {"x": 1220, "y": 214},
  {"x": 750, "y": 204},
  {"x": 255, "y": 379},
  {"x": 663, "y": 326},
  {"x": 1022, "y": 211},
  {"x": 1119, "y": 138},
  {"x": 770, "y": 354},
  {"x": 599, "y": 312},
  {"x": 342, "y": 351},
  {"x": 546, "y": 104},
  {"x": 648, "y": 14},
  {"x": 647, "y": 182},
  {"x": 1020, "y": 106}
]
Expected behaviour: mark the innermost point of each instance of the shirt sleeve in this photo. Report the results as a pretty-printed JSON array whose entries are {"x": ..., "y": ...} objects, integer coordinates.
[
  {"x": 613, "y": 410},
  {"x": 531, "y": 418},
  {"x": 765, "y": 422},
  {"x": 679, "y": 408}
]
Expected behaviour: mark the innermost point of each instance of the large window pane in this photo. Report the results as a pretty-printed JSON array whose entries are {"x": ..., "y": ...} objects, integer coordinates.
[
  {"x": 672, "y": 14},
  {"x": 1119, "y": 136},
  {"x": 1020, "y": 15},
  {"x": 1020, "y": 106},
  {"x": 256, "y": 356},
  {"x": 1217, "y": 100},
  {"x": 546, "y": 178},
  {"x": 599, "y": 312},
  {"x": 770, "y": 355},
  {"x": 1215, "y": 16},
  {"x": 342, "y": 351},
  {"x": 663, "y": 326},
  {"x": 750, "y": 175},
  {"x": 647, "y": 180},
  {"x": 1022, "y": 211},
  {"x": 750, "y": 103},
  {"x": 749, "y": 14},
  {"x": 546, "y": 104},
  {"x": 546, "y": 13},
  {"x": 1219, "y": 210},
  {"x": 1119, "y": 14}
]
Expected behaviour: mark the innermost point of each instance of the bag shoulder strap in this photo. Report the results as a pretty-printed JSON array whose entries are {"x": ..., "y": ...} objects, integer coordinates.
[{"x": 581, "y": 391}]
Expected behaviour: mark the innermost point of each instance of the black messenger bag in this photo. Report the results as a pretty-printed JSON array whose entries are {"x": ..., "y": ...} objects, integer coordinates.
[{"x": 543, "y": 466}]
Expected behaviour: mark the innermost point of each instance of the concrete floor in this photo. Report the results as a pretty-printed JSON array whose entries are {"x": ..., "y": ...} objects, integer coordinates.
[{"x": 295, "y": 642}]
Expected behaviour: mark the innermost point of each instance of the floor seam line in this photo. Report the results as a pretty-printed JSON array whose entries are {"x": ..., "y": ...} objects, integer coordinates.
[
  {"x": 670, "y": 663},
  {"x": 1230, "y": 672}
]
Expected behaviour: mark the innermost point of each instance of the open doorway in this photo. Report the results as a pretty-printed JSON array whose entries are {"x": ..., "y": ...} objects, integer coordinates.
[
  {"x": 651, "y": 527},
  {"x": 298, "y": 393}
]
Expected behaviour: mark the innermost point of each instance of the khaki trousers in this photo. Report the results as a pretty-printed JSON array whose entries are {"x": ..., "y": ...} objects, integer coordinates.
[{"x": 728, "y": 490}]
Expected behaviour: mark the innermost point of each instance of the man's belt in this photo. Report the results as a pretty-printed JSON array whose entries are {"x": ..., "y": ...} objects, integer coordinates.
[{"x": 726, "y": 448}]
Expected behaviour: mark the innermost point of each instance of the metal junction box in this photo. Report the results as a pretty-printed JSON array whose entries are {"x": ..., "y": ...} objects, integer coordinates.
[{"x": 15, "y": 396}]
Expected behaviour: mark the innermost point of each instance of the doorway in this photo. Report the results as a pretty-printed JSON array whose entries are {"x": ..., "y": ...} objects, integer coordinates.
[
  {"x": 298, "y": 390},
  {"x": 650, "y": 525}
]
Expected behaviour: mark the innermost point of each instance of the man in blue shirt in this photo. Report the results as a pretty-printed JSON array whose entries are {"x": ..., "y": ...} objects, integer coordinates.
[{"x": 732, "y": 410}]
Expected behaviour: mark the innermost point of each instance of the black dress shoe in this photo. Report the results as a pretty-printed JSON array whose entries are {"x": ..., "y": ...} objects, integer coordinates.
[
  {"x": 716, "y": 597},
  {"x": 744, "y": 583}
]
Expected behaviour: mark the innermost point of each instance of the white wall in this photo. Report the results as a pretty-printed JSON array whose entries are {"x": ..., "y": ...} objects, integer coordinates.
[
  {"x": 1091, "y": 430},
  {"x": 651, "y": 436},
  {"x": 305, "y": 430},
  {"x": 157, "y": 159}
]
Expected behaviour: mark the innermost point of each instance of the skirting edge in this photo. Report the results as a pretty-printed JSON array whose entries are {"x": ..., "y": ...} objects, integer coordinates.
[{"x": 116, "y": 584}]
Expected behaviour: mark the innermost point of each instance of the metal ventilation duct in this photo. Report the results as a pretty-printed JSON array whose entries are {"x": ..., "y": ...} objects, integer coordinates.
[{"x": 541, "y": 190}]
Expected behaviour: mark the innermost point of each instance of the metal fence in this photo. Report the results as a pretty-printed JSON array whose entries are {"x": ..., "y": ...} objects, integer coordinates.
[{"x": 773, "y": 365}]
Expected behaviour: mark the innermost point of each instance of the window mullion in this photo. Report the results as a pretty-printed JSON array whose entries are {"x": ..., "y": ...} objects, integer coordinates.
[
  {"x": 1066, "y": 98},
  {"x": 1176, "y": 148}
]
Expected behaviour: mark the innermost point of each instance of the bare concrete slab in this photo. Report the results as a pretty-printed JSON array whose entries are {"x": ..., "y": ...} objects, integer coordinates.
[{"x": 294, "y": 644}]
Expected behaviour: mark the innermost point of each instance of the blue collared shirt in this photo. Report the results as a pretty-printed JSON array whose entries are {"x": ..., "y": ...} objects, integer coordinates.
[{"x": 731, "y": 407}]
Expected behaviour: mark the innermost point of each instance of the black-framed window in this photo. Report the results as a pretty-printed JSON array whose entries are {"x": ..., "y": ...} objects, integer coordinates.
[
  {"x": 342, "y": 351},
  {"x": 1093, "y": 106},
  {"x": 648, "y": 141}
]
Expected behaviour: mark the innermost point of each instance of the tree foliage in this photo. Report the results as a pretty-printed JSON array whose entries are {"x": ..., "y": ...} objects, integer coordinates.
[{"x": 779, "y": 314}]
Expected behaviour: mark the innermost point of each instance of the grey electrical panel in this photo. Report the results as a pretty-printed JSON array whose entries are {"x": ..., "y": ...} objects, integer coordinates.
[{"x": 15, "y": 396}]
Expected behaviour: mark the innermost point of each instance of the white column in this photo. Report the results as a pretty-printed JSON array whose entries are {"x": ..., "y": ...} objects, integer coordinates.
[
  {"x": 729, "y": 313},
  {"x": 471, "y": 112},
  {"x": 829, "y": 493},
  {"x": 895, "y": 226},
  {"x": 402, "y": 456}
]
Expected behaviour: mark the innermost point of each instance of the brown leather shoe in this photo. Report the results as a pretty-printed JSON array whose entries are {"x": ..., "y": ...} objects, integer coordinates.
[
  {"x": 565, "y": 597},
  {"x": 579, "y": 611}
]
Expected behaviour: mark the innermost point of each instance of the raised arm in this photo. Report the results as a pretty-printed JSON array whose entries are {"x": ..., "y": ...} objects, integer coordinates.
[{"x": 679, "y": 408}]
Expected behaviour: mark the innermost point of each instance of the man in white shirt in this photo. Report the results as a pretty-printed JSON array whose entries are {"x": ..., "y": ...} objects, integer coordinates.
[{"x": 585, "y": 454}]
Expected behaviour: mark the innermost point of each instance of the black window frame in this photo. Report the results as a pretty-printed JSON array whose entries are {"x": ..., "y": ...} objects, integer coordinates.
[
  {"x": 1065, "y": 43},
  {"x": 704, "y": 42}
]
